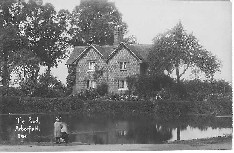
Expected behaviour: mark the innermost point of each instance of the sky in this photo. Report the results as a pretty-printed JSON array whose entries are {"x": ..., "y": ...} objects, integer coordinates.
[{"x": 209, "y": 21}]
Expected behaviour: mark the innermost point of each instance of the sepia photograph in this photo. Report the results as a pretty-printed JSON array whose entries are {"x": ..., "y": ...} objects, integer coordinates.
[{"x": 115, "y": 75}]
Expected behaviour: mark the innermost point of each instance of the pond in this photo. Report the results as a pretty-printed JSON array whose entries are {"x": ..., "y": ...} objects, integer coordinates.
[{"x": 104, "y": 130}]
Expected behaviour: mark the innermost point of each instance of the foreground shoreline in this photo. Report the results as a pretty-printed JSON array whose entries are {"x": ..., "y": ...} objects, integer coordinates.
[{"x": 216, "y": 143}]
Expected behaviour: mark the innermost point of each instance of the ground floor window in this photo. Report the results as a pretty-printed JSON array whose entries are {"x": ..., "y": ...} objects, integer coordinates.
[
  {"x": 122, "y": 85},
  {"x": 91, "y": 84}
]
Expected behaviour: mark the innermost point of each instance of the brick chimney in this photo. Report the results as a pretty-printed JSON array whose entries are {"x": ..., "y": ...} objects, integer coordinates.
[{"x": 118, "y": 35}]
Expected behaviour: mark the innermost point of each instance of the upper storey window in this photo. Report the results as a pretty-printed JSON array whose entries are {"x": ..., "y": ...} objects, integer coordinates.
[
  {"x": 123, "y": 66},
  {"x": 92, "y": 65}
]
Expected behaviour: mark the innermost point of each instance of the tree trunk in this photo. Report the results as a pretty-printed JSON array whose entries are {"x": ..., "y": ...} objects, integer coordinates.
[
  {"x": 178, "y": 132},
  {"x": 177, "y": 74},
  {"x": 37, "y": 73},
  {"x": 47, "y": 77},
  {"x": 5, "y": 73},
  {"x": 48, "y": 70},
  {"x": 178, "y": 80}
]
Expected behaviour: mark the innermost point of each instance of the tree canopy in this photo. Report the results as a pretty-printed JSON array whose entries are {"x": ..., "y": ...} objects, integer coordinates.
[
  {"x": 178, "y": 50},
  {"x": 11, "y": 41},
  {"x": 46, "y": 33},
  {"x": 31, "y": 35},
  {"x": 95, "y": 20}
]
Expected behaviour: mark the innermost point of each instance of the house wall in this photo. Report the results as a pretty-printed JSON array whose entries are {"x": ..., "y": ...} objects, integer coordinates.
[
  {"x": 114, "y": 72},
  {"x": 82, "y": 73}
]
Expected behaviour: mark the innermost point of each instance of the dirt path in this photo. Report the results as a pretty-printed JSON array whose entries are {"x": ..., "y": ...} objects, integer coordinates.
[
  {"x": 126, "y": 147},
  {"x": 202, "y": 144}
]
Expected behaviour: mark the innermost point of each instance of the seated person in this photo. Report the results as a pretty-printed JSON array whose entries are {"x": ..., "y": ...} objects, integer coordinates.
[{"x": 64, "y": 132}]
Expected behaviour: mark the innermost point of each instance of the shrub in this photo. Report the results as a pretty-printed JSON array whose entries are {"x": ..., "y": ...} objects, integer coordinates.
[
  {"x": 89, "y": 94},
  {"x": 102, "y": 89}
]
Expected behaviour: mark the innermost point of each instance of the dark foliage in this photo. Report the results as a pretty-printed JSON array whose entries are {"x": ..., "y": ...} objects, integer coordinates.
[
  {"x": 162, "y": 109},
  {"x": 149, "y": 86},
  {"x": 102, "y": 89},
  {"x": 176, "y": 48},
  {"x": 94, "y": 22},
  {"x": 40, "y": 105},
  {"x": 10, "y": 91},
  {"x": 89, "y": 94},
  {"x": 71, "y": 79},
  {"x": 203, "y": 90},
  {"x": 46, "y": 86}
]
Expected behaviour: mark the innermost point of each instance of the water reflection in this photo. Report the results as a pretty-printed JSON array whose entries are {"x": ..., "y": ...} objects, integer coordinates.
[{"x": 39, "y": 128}]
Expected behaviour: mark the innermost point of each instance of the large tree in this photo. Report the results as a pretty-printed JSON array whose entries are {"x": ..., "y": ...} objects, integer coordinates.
[
  {"x": 178, "y": 50},
  {"x": 95, "y": 20},
  {"x": 11, "y": 40},
  {"x": 46, "y": 34},
  {"x": 31, "y": 35}
]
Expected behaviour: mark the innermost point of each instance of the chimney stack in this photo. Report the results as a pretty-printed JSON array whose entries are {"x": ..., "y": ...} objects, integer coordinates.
[{"x": 118, "y": 35}]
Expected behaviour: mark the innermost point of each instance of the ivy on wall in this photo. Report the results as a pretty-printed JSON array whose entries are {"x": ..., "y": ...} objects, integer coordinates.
[
  {"x": 71, "y": 79},
  {"x": 98, "y": 72}
]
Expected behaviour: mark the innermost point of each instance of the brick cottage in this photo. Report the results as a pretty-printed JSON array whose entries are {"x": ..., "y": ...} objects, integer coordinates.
[{"x": 116, "y": 63}]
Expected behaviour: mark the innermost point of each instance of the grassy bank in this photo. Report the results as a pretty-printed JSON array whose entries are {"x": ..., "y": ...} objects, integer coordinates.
[{"x": 213, "y": 140}]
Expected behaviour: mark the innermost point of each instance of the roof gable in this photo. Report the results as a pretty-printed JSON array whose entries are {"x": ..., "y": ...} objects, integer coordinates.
[
  {"x": 139, "y": 51},
  {"x": 104, "y": 50},
  {"x": 80, "y": 51},
  {"x": 75, "y": 53}
]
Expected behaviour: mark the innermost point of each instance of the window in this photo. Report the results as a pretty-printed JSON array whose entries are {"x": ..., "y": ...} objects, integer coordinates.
[
  {"x": 91, "y": 84},
  {"x": 121, "y": 133},
  {"x": 91, "y": 66},
  {"x": 0, "y": 81},
  {"x": 123, "y": 66},
  {"x": 122, "y": 84},
  {"x": 87, "y": 84}
]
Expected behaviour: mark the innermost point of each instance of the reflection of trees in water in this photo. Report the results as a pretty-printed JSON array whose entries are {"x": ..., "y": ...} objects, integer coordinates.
[
  {"x": 203, "y": 122},
  {"x": 178, "y": 124},
  {"x": 87, "y": 124},
  {"x": 140, "y": 130},
  {"x": 200, "y": 122},
  {"x": 147, "y": 132},
  {"x": 1, "y": 131},
  {"x": 7, "y": 131}
]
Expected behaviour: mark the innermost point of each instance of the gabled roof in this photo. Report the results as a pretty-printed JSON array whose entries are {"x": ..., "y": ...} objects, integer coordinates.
[
  {"x": 104, "y": 50},
  {"x": 75, "y": 53},
  {"x": 79, "y": 51},
  {"x": 140, "y": 51}
]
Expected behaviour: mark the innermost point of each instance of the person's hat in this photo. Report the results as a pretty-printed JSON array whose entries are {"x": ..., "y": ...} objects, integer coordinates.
[{"x": 58, "y": 118}]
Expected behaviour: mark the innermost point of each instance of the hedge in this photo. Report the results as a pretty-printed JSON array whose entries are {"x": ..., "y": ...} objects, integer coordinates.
[
  {"x": 161, "y": 108},
  {"x": 174, "y": 109},
  {"x": 119, "y": 107},
  {"x": 39, "y": 105}
]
